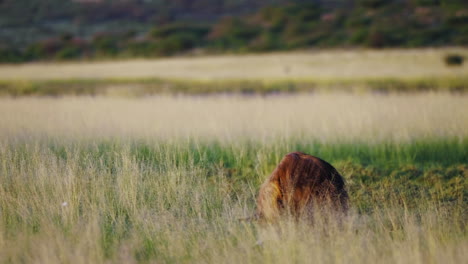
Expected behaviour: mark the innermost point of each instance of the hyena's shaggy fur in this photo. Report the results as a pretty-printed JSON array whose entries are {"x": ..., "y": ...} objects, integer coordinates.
[{"x": 301, "y": 185}]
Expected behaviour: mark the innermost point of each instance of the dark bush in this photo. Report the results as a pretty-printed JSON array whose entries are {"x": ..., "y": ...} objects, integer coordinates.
[
  {"x": 176, "y": 43},
  {"x": 10, "y": 55},
  {"x": 287, "y": 25},
  {"x": 459, "y": 18},
  {"x": 36, "y": 51},
  {"x": 142, "y": 48},
  {"x": 66, "y": 37},
  {"x": 358, "y": 20},
  {"x": 461, "y": 36},
  {"x": 105, "y": 45},
  {"x": 265, "y": 42},
  {"x": 305, "y": 12},
  {"x": 274, "y": 18},
  {"x": 387, "y": 34},
  {"x": 454, "y": 4},
  {"x": 68, "y": 52},
  {"x": 233, "y": 33},
  {"x": 454, "y": 59},
  {"x": 359, "y": 37},
  {"x": 428, "y": 2},
  {"x": 48, "y": 47},
  {"x": 374, "y": 3}
]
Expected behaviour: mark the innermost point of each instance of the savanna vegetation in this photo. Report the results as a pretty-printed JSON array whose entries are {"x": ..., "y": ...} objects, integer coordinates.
[
  {"x": 395, "y": 70},
  {"x": 71, "y": 30},
  {"x": 165, "y": 179},
  {"x": 160, "y": 160}
]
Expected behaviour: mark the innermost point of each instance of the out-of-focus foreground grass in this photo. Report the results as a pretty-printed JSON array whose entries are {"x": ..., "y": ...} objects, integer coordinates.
[
  {"x": 180, "y": 201},
  {"x": 164, "y": 179}
]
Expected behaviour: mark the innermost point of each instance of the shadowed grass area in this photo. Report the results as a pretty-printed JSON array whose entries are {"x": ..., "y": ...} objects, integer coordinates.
[{"x": 150, "y": 86}]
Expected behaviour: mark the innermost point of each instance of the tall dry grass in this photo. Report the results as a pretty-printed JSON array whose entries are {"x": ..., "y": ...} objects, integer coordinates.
[
  {"x": 164, "y": 179},
  {"x": 313, "y": 65},
  {"x": 324, "y": 117},
  {"x": 83, "y": 204}
]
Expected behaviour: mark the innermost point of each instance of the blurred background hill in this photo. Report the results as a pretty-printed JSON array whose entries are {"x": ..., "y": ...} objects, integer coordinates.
[{"x": 94, "y": 29}]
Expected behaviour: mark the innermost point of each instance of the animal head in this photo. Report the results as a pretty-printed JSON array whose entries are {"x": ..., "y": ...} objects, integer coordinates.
[{"x": 300, "y": 185}]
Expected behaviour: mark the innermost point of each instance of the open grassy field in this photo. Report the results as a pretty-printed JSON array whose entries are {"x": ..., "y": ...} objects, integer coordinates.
[
  {"x": 321, "y": 117},
  {"x": 349, "y": 70},
  {"x": 315, "y": 65},
  {"x": 164, "y": 179}
]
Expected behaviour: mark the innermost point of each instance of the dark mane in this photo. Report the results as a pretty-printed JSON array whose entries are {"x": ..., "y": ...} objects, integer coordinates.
[{"x": 300, "y": 184}]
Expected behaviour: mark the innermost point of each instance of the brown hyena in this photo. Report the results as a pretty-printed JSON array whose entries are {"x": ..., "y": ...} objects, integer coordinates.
[{"x": 299, "y": 186}]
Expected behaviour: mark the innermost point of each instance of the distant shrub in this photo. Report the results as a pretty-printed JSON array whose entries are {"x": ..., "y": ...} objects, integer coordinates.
[
  {"x": 174, "y": 38},
  {"x": 274, "y": 18},
  {"x": 105, "y": 45},
  {"x": 454, "y": 4},
  {"x": 233, "y": 33},
  {"x": 304, "y": 12},
  {"x": 358, "y": 20},
  {"x": 374, "y": 3},
  {"x": 142, "y": 48},
  {"x": 69, "y": 52},
  {"x": 292, "y": 25},
  {"x": 35, "y": 51},
  {"x": 10, "y": 55},
  {"x": 265, "y": 42},
  {"x": 359, "y": 37},
  {"x": 176, "y": 43},
  {"x": 66, "y": 37},
  {"x": 458, "y": 18},
  {"x": 45, "y": 49},
  {"x": 428, "y": 2},
  {"x": 461, "y": 38},
  {"x": 454, "y": 59},
  {"x": 386, "y": 35}
]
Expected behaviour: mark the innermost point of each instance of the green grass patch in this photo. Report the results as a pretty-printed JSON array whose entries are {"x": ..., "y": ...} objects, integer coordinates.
[
  {"x": 150, "y": 86},
  {"x": 179, "y": 201},
  {"x": 249, "y": 162}
]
